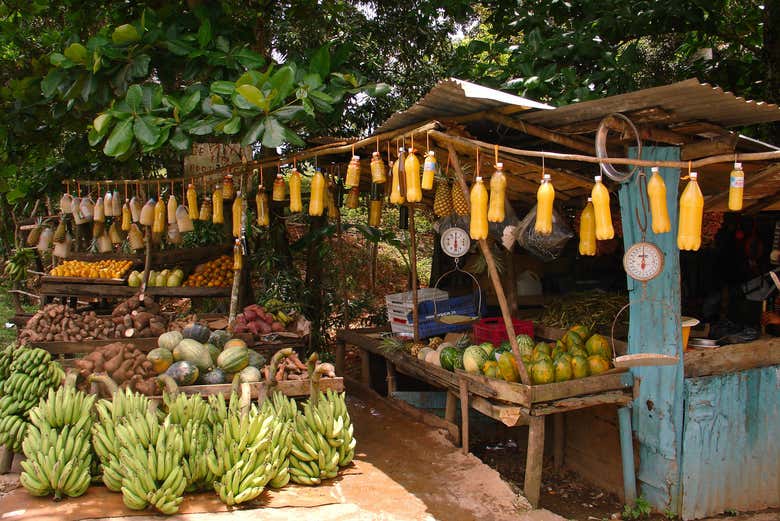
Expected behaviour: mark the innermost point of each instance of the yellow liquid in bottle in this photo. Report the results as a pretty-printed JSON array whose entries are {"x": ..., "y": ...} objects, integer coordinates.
[
  {"x": 736, "y": 188},
  {"x": 600, "y": 197},
  {"x": 317, "y": 201},
  {"x": 545, "y": 197},
  {"x": 395, "y": 194},
  {"x": 496, "y": 213},
  {"x": 429, "y": 171},
  {"x": 353, "y": 172},
  {"x": 656, "y": 192},
  {"x": 378, "y": 172},
  {"x": 261, "y": 200},
  {"x": 691, "y": 213},
  {"x": 412, "y": 169},
  {"x": 192, "y": 202},
  {"x": 588, "y": 230},
  {"x": 478, "y": 228},
  {"x": 279, "y": 192},
  {"x": 296, "y": 205}
]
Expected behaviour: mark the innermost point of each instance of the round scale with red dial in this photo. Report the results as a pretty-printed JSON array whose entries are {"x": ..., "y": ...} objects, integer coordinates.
[{"x": 643, "y": 261}]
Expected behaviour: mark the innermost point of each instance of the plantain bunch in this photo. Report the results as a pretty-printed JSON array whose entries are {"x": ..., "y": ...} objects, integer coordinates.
[{"x": 195, "y": 416}]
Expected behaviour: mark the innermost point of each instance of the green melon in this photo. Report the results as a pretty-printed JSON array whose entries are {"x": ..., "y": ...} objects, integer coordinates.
[
  {"x": 526, "y": 345},
  {"x": 488, "y": 348},
  {"x": 490, "y": 369},
  {"x": 458, "y": 363},
  {"x": 507, "y": 367},
  {"x": 579, "y": 366},
  {"x": 474, "y": 357},
  {"x": 448, "y": 356},
  {"x": 233, "y": 359}
]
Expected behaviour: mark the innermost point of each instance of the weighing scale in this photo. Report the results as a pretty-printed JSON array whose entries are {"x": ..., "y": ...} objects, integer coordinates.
[{"x": 455, "y": 242}]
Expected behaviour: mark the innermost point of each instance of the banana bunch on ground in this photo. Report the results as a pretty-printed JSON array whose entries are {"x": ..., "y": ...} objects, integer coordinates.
[
  {"x": 104, "y": 439},
  {"x": 284, "y": 410},
  {"x": 241, "y": 459},
  {"x": 195, "y": 416},
  {"x": 322, "y": 440},
  {"x": 6, "y": 358},
  {"x": 16, "y": 266},
  {"x": 30, "y": 373},
  {"x": 151, "y": 456},
  {"x": 58, "y": 444}
]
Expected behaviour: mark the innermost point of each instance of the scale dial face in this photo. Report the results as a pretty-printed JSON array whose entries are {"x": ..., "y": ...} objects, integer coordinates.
[
  {"x": 643, "y": 261},
  {"x": 455, "y": 242}
]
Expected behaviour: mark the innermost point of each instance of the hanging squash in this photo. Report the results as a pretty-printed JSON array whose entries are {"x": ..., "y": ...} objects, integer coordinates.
[
  {"x": 296, "y": 204},
  {"x": 135, "y": 209},
  {"x": 261, "y": 200},
  {"x": 412, "y": 170},
  {"x": 396, "y": 197},
  {"x": 691, "y": 214},
  {"x": 545, "y": 197},
  {"x": 135, "y": 237},
  {"x": 429, "y": 170},
  {"x": 353, "y": 199},
  {"x": 172, "y": 205},
  {"x": 353, "y": 172},
  {"x": 587, "y": 245},
  {"x": 317, "y": 199},
  {"x": 600, "y": 198},
  {"x": 279, "y": 192},
  {"x": 192, "y": 202},
  {"x": 183, "y": 221},
  {"x": 496, "y": 211},
  {"x": 378, "y": 171},
  {"x": 228, "y": 188},
  {"x": 59, "y": 233},
  {"x": 238, "y": 209},
  {"x": 158, "y": 225},
  {"x": 656, "y": 192},
  {"x": 127, "y": 217},
  {"x": 478, "y": 227},
  {"x": 205, "y": 210}
]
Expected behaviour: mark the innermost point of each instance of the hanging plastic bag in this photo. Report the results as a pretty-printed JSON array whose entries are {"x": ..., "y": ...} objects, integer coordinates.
[{"x": 545, "y": 247}]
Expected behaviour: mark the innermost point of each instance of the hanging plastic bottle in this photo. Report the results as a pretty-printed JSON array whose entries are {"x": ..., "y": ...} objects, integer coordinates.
[
  {"x": 656, "y": 192},
  {"x": 261, "y": 201},
  {"x": 108, "y": 204},
  {"x": 429, "y": 170},
  {"x": 172, "y": 206},
  {"x": 66, "y": 203},
  {"x": 192, "y": 201},
  {"x": 412, "y": 170},
  {"x": 114, "y": 235},
  {"x": 127, "y": 217},
  {"x": 545, "y": 197},
  {"x": 338, "y": 188},
  {"x": 478, "y": 228},
  {"x": 158, "y": 226},
  {"x": 183, "y": 221},
  {"x": 353, "y": 199},
  {"x": 317, "y": 199},
  {"x": 396, "y": 197},
  {"x": 217, "y": 215},
  {"x": 736, "y": 187},
  {"x": 116, "y": 204},
  {"x": 228, "y": 188},
  {"x": 280, "y": 189},
  {"x": 205, "y": 210},
  {"x": 353, "y": 172},
  {"x": 588, "y": 230},
  {"x": 135, "y": 209},
  {"x": 691, "y": 214},
  {"x": 98, "y": 211},
  {"x": 496, "y": 211},
  {"x": 375, "y": 206},
  {"x": 333, "y": 210},
  {"x": 238, "y": 256},
  {"x": 238, "y": 210},
  {"x": 600, "y": 197},
  {"x": 135, "y": 237},
  {"x": 378, "y": 171},
  {"x": 296, "y": 204},
  {"x": 147, "y": 213}
]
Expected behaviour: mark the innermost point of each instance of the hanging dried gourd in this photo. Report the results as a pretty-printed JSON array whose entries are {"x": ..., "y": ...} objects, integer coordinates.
[
  {"x": 396, "y": 197},
  {"x": 104, "y": 243},
  {"x": 114, "y": 235},
  {"x": 228, "y": 188},
  {"x": 317, "y": 199},
  {"x": 429, "y": 170},
  {"x": 261, "y": 201},
  {"x": 108, "y": 204},
  {"x": 296, "y": 203},
  {"x": 545, "y": 196},
  {"x": 183, "y": 221},
  {"x": 217, "y": 216},
  {"x": 62, "y": 249},
  {"x": 478, "y": 227},
  {"x": 378, "y": 171},
  {"x": 412, "y": 170},
  {"x": 116, "y": 204},
  {"x": 279, "y": 192},
  {"x": 353, "y": 199},
  {"x": 44, "y": 241},
  {"x": 172, "y": 205},
  {"x": 192, "y": 202},
  {"x": 66, "y": 202},
  {"x": 496, "y": 211},
  {"x": 98, "y": 212},
  {"x": 59, "y": 233},
  {"x": 238, "y": 257},
  {"x": 174, "y": 236},
  {"x": 135, "y": 209},
  {"x": 127, "y": 217},
  {"x": 147, "y": 213},
  {"x": 353, "y": 172},
  {"x": 160, "y": 217},
  {"x": 135, "y": 237},
  {"x": 238, "y": 210}
]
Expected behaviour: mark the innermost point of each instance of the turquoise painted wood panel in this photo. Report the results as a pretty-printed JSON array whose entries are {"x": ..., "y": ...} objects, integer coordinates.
[
  {"x": 731, "y": 449},
  {"x": 655, "y": 328}
]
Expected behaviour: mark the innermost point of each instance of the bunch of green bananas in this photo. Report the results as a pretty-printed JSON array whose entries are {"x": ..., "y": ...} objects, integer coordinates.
[
  {"x": 284, "y": 410},
  {"x": 322, "y": 441},
  {"x": 6, "y": 359},
  {"x": 241, "y": 457},
  {"x": 104, "y": 439},
  {"x": 195, "y": 416},
  {"x": 57, "y": 445},
  {"x": 16, "y": 266}
]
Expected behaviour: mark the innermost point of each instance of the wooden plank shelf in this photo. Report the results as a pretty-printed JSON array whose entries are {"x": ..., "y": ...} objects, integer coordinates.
[
  {"x": 52, "y": 279},
  {"x": 72, "y": 289},
  {"x": 292, "y": 388},
  {"x": 732, "y": 358},
  {"x": 161, "y": 258}
]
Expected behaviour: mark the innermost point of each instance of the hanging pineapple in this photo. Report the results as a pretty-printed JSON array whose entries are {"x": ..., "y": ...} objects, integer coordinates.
[
  {"x": 113, "y": 233},
  {"x": 442, "y": 199},
  {"x": 135, "y": 237},
  {"x": 192, "y": 202},
  {"x": 459, "y": 203},
  {"x": 217, "y": 216}
]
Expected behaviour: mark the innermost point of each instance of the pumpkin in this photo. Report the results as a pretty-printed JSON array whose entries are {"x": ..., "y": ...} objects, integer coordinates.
[
  {"x": 250, "y": 374},
  {"x": 233, "y": 359},
  {"x": 160, "y": 358},
  {"x": 214, "y": 377},
  {"x": 197, "y": 332},
  {"x": 169, "y": 340},
  {"x": 218, "y": 338},
  {"x": 183, "y": 372},
  {"x": 193, "y": 351},
  {"x": 214, "y": 352},
  {"x": 256, "y": 359},
  {"x": 234, "y": 342}
]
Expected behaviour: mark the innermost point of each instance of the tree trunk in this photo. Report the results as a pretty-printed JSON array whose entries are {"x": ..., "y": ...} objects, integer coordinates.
[{"x": 772, "y": 58}]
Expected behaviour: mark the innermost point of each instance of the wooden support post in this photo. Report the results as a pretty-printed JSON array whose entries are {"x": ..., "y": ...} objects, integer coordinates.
[
  {"x": 413, "y": 266},
  {"x": 391, "y": 388},
  {"x": 464, "y": 414},
  {"x": 341, "y": 349},
  {"x": 147, "y": 260},
  {"x": 506, "y": 312},
  {"x": 450, "y": 415},
  {"x": 365, "y": 367},
  {"x": 533, "y": 464},
  {"x": 559, "y": 439},
  {"x": 6, "y": 460}
]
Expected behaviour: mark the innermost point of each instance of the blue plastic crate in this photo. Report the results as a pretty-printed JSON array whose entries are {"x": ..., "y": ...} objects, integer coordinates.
[{"x": 463, "y": 305}]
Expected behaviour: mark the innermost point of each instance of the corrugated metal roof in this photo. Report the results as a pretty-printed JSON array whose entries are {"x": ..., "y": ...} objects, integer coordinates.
[
  {"x": 453, "y": 97},
  {"x": 688, "y": 100}
]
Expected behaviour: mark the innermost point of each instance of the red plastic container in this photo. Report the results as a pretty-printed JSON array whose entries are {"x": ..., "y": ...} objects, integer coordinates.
[{"x": 493, "y": 330}]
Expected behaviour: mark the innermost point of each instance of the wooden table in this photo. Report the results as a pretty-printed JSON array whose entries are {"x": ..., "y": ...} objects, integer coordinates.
[{"x": 513, "y": 404}]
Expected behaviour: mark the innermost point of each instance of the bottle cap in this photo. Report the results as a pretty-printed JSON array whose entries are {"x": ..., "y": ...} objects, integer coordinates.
[
  {"x": 217, "y": 187},
  {"x": 375, "y": 154},
  {"x": 278, "y": 176},
  {"x": 193, "y": 186},
  {"x": 355, "y": 158},
  {"x": 401, "y": 149},
  {"x": 694, "y": 175},
  {"x": 597, "y": 178},
  {"x": 499, "y": 166},
  {"x": 478, "y": 179},
  {"x": 654, "y": 169},
  {"x": 238, "y": 193},
  {"x": 590, "y": 199},
  {"x": 431, "y": 153},
  {"x": 737, "y": 166},
  {"x": 546, "y": 177}
]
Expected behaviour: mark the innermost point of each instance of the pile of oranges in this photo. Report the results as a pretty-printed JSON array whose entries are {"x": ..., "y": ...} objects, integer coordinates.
[
  {"x": 103, "y": 269},
  {"x": 215, "y": 273}
]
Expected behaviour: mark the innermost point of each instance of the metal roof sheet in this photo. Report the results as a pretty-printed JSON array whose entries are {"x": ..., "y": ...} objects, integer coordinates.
[
  {"x": 453, "y": 97},
  {"x": 688, "y": 100}
]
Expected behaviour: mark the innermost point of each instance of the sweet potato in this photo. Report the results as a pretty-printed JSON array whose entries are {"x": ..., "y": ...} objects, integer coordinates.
[
  {"x": 113, "y": 364},
  {"x": 277, "y": 326},
  {"x": 264, "y": 327},
  {"x": 124, "y": 372},
  {"x": 250, "y": 314}
]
